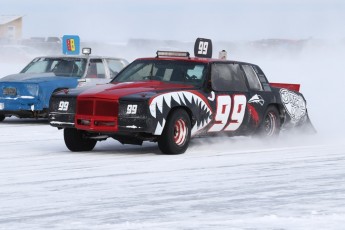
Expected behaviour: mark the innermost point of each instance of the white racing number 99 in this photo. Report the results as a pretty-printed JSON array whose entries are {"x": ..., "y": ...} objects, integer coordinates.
[
  {"x": 63, "y": 106},
  {"x": 230, "y": 113},
  {"x": 132, "y": 109},
  {"x": 203, "y": 46}
]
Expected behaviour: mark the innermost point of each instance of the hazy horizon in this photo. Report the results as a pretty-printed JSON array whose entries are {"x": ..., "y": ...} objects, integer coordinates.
[
  {"x": 186, "y": 20},
  {"x": 180, "y": 20}
]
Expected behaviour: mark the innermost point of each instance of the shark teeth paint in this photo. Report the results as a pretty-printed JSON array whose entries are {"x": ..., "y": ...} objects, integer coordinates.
[{"x": 161, "y": 105}]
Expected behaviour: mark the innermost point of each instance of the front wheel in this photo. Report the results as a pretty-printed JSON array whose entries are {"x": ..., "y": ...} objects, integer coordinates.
[
  {"x": 76, "y": 141},
  {"x": 270, "y": 126},
  {"x": 176, "y": 134},
  {"x": 2, "y": 118}
]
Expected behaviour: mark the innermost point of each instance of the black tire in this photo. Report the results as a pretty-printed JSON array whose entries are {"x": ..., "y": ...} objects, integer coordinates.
[
  {"x": 2, "y": 118},
  {"x": 270, "y": 126},
  {"x": 76, "y": 141},
  {"x": 176, "y": 133}
]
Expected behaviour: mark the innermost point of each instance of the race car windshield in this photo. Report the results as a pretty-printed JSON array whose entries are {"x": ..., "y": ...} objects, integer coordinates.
[
  {"x": 59, "y": 66},
  {"x": 164, "y": 70}
]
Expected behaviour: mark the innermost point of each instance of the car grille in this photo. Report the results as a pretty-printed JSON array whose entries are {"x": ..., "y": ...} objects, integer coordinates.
[
  {"x": 97, "y": 115},
  {"x": 91, "y": 107},
  {"x": 85, "y": 107},
  {"x": 9, "y": 91},
  {"x": 106, "y": 108}
]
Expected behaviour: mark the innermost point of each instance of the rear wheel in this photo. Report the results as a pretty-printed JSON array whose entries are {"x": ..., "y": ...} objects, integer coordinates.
[
  {"x": 76, "y": 141},
  {"x": 176, "y": 134},
  {"x": 270, "y": 126},
  {"x": 2, "y": 117}
]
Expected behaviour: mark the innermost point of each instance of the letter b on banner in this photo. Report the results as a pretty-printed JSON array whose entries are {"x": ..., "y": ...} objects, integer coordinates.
[{"x": 71, "y": 44}]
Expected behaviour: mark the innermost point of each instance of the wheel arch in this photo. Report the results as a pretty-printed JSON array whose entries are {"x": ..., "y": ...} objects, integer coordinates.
[
  {"x": 158, "y": 130},
  {"x": 58, "y": 89}
]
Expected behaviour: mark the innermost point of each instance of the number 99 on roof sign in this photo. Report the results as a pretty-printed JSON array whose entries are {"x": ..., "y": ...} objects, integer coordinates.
[{"x": 203, "y": 48}]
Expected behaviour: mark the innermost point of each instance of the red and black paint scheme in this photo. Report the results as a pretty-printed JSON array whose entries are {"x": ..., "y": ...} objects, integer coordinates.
[{"x": 172, "y": 97}]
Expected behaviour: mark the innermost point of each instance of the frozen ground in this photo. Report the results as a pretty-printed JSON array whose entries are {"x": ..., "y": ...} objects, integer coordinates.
[
  {"x": 297, "y": 182},
  {"x": 222, "y": 183}
]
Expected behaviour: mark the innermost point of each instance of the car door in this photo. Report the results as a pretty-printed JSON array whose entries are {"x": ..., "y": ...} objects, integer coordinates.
[
  {"x": 231, "y": 96},
  {"x": 260, "y": 95}
]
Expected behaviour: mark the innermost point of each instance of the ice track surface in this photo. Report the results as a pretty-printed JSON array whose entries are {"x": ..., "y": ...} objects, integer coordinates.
[{"x": 219, "y": 183}]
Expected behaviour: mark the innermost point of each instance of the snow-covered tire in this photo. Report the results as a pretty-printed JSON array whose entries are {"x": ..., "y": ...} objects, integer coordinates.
[
  {"x": 2, "y": 118},
  {"x": 176, "y": 134},
  {"x": 270, "y": 126},
  {"x": 76, "y": 141}
]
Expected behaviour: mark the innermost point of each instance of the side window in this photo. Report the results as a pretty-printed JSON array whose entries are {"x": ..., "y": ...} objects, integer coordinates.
[
  {"x": 196, "y": 73},
  {"x": 147, "y": 71},
  {"x": 52, "y": 66},
  {"x": 81, "y": 67},
  {"x": 96, "y": 69},
  {"x": 167, "y": 74},
  {"x": 252, "y": 78},
  {"x": 227, "y": 77},
  {"x": 114, "y": 66},
  {"x": 39, "y": 66}
]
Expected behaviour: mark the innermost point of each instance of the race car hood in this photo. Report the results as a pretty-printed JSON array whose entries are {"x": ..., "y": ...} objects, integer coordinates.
[
  {"x": 32, "y": 78},
  {"x": 117, "y": 90}
]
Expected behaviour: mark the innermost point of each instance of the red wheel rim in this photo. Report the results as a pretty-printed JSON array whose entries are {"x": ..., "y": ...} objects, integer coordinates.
[{"x": 180, "y": 132}]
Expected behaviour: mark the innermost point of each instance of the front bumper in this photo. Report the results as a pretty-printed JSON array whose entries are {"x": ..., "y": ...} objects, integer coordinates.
[
  {"x": 21, "y": 106},
  {"x": 61, "y": 120},
  {"x": 62, "y": 111}
]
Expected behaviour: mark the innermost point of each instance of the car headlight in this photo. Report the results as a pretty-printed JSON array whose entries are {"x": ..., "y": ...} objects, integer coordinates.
[
  {"x": 32, "y": 89},
  {"x": 9, "y": 91}
]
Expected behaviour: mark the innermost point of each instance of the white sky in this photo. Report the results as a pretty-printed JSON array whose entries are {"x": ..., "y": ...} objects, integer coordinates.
[{"x": 116, "y": 20}]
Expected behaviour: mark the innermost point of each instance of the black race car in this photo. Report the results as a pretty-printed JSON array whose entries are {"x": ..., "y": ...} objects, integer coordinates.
[{"x": 172, "y": 97}]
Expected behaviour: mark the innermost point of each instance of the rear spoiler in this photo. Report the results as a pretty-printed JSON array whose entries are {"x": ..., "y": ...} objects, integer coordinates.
[{"x": 294, "y": 87}]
